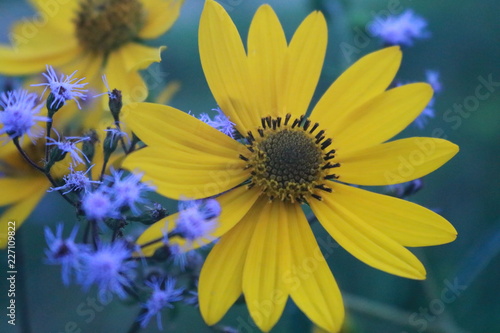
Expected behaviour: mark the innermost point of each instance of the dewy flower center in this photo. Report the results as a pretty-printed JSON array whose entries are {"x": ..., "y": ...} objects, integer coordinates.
[
  {"x": 104, "y": 25},
  {"x": 290, "y": 161}
]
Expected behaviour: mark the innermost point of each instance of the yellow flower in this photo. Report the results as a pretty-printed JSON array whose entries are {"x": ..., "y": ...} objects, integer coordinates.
[
  {"x": 267, "y": 250},
  {"x": 95, "y": 37}
]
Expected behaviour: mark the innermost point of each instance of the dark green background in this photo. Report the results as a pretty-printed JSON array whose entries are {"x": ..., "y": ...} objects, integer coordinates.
[{"x": 464, "y": 46}]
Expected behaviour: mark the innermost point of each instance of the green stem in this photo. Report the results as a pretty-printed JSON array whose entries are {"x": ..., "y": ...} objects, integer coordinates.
[
  {"x": 136, "y": 325},
  {"x": 42, "y": 170}
]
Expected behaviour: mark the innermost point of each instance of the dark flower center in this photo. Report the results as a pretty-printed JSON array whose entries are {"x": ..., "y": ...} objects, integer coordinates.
[
  {"x": 103, "y": 26},
  {"x": 290, "y": 161}
]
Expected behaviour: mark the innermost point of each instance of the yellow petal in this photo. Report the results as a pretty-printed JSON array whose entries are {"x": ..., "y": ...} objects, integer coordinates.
[
  {"x": 130, "y": 83},
  {"x": 225, "y": 66},
  {"x": 20, "y": 211},
  {"x": 235, "y": 204},
  {"x": 304, "y": 61},
  {"x": 365, "y": 79},
  {"x": 137, "y": 56},
  {"x": 266, "y": 53},
  {"x": 178, "y": 174},
  {"x": 17, "y": 62},
  {"x": 15, "y": 189},
  {"x": 312, "y": 286},
  {"x": 220, "y": 282},
  {"x": 160, "y": 16},
  {"x": 364, "y": 241},
  {"x": 27, "y": 37},
  {"x": 382, "y": 117},
  {"x": 395, "y": 162},
  {"x": 162, "y": 126},
  {"x": 58, "y": 14},
  {"x": 407, "y": 223},
  {"x": 267, "y": 261}
]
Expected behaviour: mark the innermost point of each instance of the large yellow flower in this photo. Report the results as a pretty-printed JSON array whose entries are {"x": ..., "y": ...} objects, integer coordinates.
[
  {"x": 267, "y": 250},
  {"x": 95, "y": 37}
]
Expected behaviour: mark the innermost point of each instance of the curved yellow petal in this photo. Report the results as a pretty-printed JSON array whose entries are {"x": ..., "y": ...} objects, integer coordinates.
[
  {"x": 382, "y": 117},
  {"x": 407, "y": 223},
  {"x": 130, "y": 83},
  {"x": 177, "y": 174},
  {"x": 268, "y": 258},
  {"x": 394, "y": 162},
  {"x": 154, "y": 232},
  {"x": 303, "y": 64},
  {"x": 163, "y": 126},
  {"x": 364, "y": 241},
  {"x": 235, "y": 204},
  {"x": 226, "y": 68},
  {"x": 137, "y": 56},
  {"x": 21, "y": 210},
  {"x": 365, "y": 79},
  {"x": 267, "y": 48},
  {"x": 220, "y": 282},
  {"x": 160, "y": 16},
  {"x": 312, "y": 286}
]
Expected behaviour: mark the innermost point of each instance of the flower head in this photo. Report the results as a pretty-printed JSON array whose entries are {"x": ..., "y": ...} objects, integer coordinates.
[
  {"x": 64, "y": 252},
  {"x": 220, "y": 122},
  {"x": 19, "y": 114},
  {"x": 76, "y": 181},
  {"x": 400, "y": 30},
  {"x": 163, "y": 295},
  {"x": 109, "y": 269},
  {"x": 98, "y": 205},
  {"x": 97, "y": 38},
  {"x": 68, "y": 145},
  {"x": 128, "y": 190},
  {"x": 197, "y": 219},
  {"x": 64, "y": 88},
  {"x": 289, "y": 160}
]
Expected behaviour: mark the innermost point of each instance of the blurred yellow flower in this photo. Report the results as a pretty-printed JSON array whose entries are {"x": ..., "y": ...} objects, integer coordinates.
[
  {"x": 95, "y": 37},
  {"x": 267, "y": 250}
]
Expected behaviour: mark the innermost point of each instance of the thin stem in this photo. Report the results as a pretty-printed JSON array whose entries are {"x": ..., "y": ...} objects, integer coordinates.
[
  {"x": 103, "y": 170},
  {"x": 154, "y": 241},
  {"x": 26, "y": 157},
  {"x": 42, "y": 170},
  {"x": 136, "y": 325},
  {"x": 124, "y": 147},
  {"x": 48, "y": 129}
]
